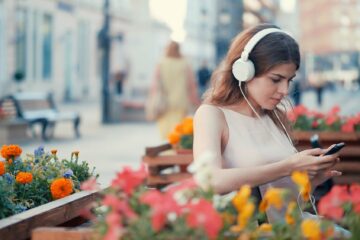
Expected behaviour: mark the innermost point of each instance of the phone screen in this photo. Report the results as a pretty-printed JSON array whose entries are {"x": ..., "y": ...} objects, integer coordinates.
[{"x": 335, "y": 148}]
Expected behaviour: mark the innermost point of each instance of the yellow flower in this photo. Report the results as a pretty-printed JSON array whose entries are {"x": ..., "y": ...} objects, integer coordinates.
[
  {"x": 241, "y": 197},
  {"x": 61, "y": 187},
  {"x": 24, "y": 177},
  {"x": 289, "y": 213},
  {"x": 273, "y": 197},
  {"x": 265, "y": 227},
  {"x": 303, "y": 182},
  {"x": 311, "y": 229},
  {"x": 244, "y": 216},
  {"x": 76, "y": 153},
  {"x": 2, "y": 168}
]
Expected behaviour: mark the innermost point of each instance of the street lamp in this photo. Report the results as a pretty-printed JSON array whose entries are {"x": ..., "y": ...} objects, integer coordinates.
[{"x": 105, "y": 44}]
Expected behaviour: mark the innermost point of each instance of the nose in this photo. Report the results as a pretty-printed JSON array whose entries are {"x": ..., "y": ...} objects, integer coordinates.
[{"x": 284, "y": 88}]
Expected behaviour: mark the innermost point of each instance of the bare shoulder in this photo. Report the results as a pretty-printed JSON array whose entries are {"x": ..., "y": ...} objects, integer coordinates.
[{"x": 209, "y": 113}]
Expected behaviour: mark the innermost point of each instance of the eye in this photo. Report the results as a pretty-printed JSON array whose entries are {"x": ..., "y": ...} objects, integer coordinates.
[{"x": 275, "y": 80}]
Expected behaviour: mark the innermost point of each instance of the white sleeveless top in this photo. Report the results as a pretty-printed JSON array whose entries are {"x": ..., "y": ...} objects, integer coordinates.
[{"x": 251, "y": 144}]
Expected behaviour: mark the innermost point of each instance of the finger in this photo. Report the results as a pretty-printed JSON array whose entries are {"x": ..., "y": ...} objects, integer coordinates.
[
  {"x": 334, "y": 173},
  {"x": 314, "y": 151},
  {"x": 328, "y": 158}
]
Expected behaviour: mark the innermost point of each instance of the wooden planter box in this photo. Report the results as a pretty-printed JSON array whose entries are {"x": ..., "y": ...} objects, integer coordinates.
[
  {"x": 64, "y": 212},
  {"x": 349, "y": 155}
]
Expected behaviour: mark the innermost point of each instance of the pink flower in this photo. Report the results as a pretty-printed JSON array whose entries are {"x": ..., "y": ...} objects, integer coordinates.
[
  {"x": 202, "y": 214},
  {"x": 161, "y": 204},
  {"x": 128, "y": 179},
  {"x": 292, "y": 116},
  {"x": 90, "y": 185},
  {"x": 188, "y": 183},
  {"x": 119, "y": 205},
  {"x": 331, "y": 204},
  {"x": 114, "y": 226}
]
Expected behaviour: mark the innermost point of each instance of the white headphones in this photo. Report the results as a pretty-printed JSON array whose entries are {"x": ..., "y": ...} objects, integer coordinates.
[{"x": 243, "y": 69}]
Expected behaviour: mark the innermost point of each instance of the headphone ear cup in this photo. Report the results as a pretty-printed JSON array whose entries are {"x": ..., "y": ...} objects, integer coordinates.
[{"x": 243, "y": 71}]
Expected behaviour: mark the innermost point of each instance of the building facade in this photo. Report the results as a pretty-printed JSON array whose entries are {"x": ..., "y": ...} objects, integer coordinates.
[{"x": 330, "y": 37}]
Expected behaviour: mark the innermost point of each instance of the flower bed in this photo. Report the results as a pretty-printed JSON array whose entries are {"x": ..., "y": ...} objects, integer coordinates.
[
  {"x": 37, "y": 178},
  {"x": 190, "y": 210}
]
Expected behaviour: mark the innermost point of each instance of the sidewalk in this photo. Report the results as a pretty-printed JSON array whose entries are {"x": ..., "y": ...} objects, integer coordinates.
[{"x": 107, "y": 147}]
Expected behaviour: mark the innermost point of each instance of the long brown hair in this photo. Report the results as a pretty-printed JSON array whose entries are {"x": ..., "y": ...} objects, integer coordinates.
[{"x": 274, "y": 49}]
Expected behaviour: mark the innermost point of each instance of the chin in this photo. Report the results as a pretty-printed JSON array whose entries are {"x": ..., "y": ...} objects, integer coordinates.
[{"x": 269, "y": 107}]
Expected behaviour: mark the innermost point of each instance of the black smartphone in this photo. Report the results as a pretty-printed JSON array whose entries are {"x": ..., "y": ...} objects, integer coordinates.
[{"x": 335, "y": 148}]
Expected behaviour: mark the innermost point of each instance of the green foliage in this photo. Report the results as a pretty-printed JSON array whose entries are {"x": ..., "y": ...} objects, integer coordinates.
[
  {"x": 186, "y": 141},
  {"x": 16, "y": 197}
]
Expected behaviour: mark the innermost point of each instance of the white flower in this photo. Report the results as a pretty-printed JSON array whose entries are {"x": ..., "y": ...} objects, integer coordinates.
[
  {"x": 221, "y": 201},
  {"x": 202, "y": 169}
]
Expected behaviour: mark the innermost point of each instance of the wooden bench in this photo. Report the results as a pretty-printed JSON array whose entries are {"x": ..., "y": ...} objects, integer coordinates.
[
  {"x": 165, "y": 166},
  {"x": 40, "y": 109}
]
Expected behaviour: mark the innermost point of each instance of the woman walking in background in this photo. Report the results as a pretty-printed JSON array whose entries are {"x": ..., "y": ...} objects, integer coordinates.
[{"x": 175, "y": 76}]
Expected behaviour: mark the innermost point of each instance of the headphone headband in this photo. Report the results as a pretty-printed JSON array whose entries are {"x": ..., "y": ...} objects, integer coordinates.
[
  {"x": 255, "y": 39},
  {"x": 243, "y": 69}
]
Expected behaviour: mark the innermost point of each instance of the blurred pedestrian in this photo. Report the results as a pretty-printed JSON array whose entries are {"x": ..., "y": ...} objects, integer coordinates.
[
  {"x": 296, "y": 92},
  {"x": 176, "y": 78},
  {"x": 203, "y": 75}
]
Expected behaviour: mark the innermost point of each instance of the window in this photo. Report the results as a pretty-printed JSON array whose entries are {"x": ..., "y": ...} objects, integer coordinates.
[
  {"x": 47, "y": 46},
  {"x": 20, "y": 42}
]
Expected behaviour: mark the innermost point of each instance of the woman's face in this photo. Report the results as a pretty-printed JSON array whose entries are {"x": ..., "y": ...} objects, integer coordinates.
[{"x": 266, "y": 91}]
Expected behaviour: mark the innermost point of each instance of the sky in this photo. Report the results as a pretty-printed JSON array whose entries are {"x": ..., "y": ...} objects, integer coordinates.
[{"x": 172, "y": 12}]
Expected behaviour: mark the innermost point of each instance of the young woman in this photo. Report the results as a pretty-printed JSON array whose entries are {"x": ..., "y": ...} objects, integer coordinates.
[
  {"x": 175, "y": 76},
  {"x": 242, "y": 122}
]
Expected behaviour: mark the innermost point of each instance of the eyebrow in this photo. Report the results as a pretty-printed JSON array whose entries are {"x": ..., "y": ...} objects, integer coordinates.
[{"x": 281, "y": 76}]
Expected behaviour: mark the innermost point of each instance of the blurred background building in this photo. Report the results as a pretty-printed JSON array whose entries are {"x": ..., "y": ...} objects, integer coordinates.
[
  {"x": 53, "y": 45},
  {"x": 330, "y": 37}
]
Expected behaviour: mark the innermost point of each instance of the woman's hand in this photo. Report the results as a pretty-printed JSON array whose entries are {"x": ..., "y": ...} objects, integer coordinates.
[
  {"x": 313, "y": 161},
  {"x": 323, "y": 176}
]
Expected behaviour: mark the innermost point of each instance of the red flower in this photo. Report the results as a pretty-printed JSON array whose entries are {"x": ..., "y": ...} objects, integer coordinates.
[
  {"x": 301, "y": 110},
  {"x": 161, "y": 204},
  {"x": 202, "y": 214},
  {"x": 292, "y": 116},
  {"x": 128, "y": 179},
  {"x": 331, "y": 205},
  {"x": 331, "y": 119},
  {"x": 355, "y": 196},
  {"x": 348, "y": 127},
  {"x": 334, "y": 110},
  {"x": 315, "y": 124}
]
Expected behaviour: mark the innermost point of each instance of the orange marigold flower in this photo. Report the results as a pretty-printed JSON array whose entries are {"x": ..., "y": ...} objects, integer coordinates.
[
  {"x": 10, "y": 151},
  {"x": 2, "y": 168},
  {"x": 61, "y": 187},
  {"x": 53, "y": 151},
  {"x": 24, "y": 177},
  {"x": 174, "y": 138},
  {"x": 187, "y": 125}
]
